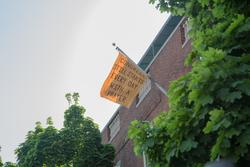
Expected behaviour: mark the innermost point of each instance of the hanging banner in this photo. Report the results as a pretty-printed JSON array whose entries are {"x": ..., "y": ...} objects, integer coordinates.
[{"x": 124, "y": 81}]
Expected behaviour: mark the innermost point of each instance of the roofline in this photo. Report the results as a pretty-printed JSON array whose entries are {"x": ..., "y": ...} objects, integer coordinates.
[
  {"x": 169, "y": 37},
  {"x": 111, "y": 119},
  {"x": 157, "y": 35}
]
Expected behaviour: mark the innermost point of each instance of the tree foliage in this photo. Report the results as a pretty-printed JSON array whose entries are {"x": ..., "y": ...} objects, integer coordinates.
[
  {"x": 9, "y": 164},
  {"x": 6, "y": 164},
  {"x": 209, "y": 109},
  {"x": 1, "y": 162},
  {"x": 77, "y": 144}
]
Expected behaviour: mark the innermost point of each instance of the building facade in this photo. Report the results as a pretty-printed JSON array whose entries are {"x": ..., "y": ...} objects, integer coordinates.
[{"x": 163, "y": 61}]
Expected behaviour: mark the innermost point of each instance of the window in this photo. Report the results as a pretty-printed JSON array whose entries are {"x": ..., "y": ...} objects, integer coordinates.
[
  {"x": 114, "y": 127},
  {"x": 184, "y": 32},
  {"x": 118, "y": 164},
  {"x": 143, "y": 92}
]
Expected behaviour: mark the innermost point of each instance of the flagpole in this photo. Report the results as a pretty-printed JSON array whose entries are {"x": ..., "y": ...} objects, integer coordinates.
[
  {"x": 121, "y": 51},
  {"x": 149, "y": 76},
  {"x": 158, "y": 85}
]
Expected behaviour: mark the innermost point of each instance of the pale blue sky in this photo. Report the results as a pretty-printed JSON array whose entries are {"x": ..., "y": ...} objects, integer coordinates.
[{"x": 51, "y": 47}]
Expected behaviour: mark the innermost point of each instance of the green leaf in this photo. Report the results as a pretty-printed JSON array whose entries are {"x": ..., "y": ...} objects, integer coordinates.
[
  {"x": 244, "y": 138},
  {"x": 245, "y": 27},
  {"x": 226, "y": 123},
  {"x": 187, "y": 145},
  {"x": 215, "y": 118},
  {"x": 218, "y": 12},
  {"x": 215, "y": 151},
  {"x": 204, "y": 2},
  {"x": 206, "y": 99},
  {"x": 232, "y": 132},
  {"x": 235, "y": 23},
  {"x": 245, "y": 87},
  {"x": 233, "y": 96},
  {"x": 227, "y": 96}
]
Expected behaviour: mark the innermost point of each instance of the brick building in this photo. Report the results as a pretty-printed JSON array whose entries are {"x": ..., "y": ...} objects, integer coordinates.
[{"x": 163, "y": 60}]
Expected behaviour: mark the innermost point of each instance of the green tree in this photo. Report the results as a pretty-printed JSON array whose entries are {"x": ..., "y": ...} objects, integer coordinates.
[
  {"x": 46, "y": 149},
  {"x": 68, "y": 97},
  {"x": 77, "y": 144},
  {"x": 84, "y": 146},
  {"x": 9, "y": 164},
  {"x": 27, "y": 152},
  {"x": 1, "y": 162},
  {"x": 209, "y": 107}
]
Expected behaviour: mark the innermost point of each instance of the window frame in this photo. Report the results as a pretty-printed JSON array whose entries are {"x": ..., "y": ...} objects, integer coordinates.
[
  {"x": 118, "y": 164},
  {"x": 115, "y": 122},
  {"x": 184, "y": 33},
  {"x": 143, "y": 92}
]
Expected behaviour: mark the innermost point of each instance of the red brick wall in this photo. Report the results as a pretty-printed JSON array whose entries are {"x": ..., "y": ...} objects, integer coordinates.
[{"x": 167, "y": 66}]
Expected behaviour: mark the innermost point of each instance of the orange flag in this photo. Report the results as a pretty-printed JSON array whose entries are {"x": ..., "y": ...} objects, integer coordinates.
[{"x": 124, "y": 81}]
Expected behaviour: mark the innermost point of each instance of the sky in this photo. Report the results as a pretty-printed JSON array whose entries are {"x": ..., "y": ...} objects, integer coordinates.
[{"x": 49, "y": 48}]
